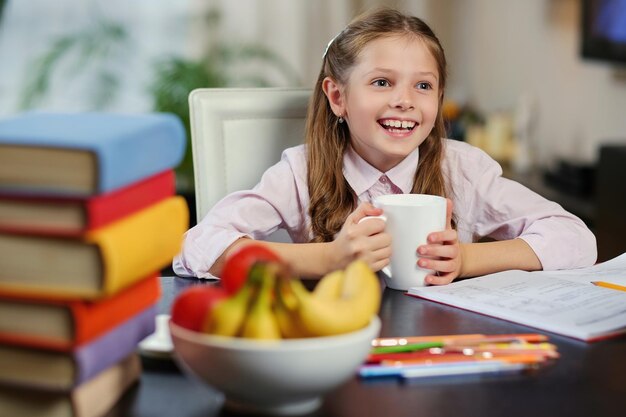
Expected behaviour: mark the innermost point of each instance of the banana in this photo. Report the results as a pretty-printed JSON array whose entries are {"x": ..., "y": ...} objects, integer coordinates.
[
  {"x": 353, "y": 309},
  {"x": 286, "y": 311},
  {"x": 261, "y": 322},
  {"x": 361, "y": 281},
  {"x": 227, "y": 317},
  {"x": 329, "y": 287}
]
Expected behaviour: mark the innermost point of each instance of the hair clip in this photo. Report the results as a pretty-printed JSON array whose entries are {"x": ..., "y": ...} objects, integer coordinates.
[
  {"x": 328, "y": 46},
  {"x": 331, "y": 42}
]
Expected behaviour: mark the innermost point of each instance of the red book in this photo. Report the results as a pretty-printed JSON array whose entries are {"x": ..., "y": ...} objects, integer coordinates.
[
  {"x": 66, "y": 325},
  {"x": 71, "y": 216}
]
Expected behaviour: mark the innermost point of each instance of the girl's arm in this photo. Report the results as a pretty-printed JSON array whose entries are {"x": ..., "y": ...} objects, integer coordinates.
[
  {"x": 488, "y": 205},
  {"x": 365, "y": 240},
  {"x": 277, "y": 201},
  {"x": 489, "y": 257},
  {"x": 443, "y": 253},
  {"x": 306, "y": 259},
  {"x": 453, "y": 259}
]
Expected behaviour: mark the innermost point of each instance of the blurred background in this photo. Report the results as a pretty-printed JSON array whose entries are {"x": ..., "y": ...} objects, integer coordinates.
[{"x": 538, "y": 84}]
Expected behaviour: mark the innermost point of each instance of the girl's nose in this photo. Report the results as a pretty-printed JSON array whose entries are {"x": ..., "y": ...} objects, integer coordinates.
[{"x": 403, "y": 100}]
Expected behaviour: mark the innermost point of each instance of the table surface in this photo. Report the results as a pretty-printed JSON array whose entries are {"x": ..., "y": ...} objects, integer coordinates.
[{"x": 587, "y": 380}]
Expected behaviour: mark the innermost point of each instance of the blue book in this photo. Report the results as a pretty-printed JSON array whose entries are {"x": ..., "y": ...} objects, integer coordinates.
[{"x": 86, "y": 154}]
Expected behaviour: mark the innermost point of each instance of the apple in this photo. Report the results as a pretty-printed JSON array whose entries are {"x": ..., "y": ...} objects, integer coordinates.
[
  {"x": 238, "y": 264},
  {"x": 194, "y": 304}
]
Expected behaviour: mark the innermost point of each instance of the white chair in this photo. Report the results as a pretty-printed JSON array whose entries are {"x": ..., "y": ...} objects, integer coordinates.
[{"x": 236, "y": 134}]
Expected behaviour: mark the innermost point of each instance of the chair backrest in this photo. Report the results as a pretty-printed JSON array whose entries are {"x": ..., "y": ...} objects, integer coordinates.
[{"x": 236, "y": 134}]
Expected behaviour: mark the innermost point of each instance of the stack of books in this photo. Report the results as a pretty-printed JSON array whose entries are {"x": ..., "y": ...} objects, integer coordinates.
[{"x": 88, "y": 218}]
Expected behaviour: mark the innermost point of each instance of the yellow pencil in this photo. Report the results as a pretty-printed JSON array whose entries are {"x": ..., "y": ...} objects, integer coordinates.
[{"x": 609, "y": 285}]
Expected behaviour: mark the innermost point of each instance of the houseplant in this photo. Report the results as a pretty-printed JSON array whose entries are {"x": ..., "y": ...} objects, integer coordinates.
[{"x": 222, "y": 64}]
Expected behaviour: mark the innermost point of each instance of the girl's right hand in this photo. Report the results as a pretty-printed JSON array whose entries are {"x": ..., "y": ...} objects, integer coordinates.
[{"x": 365, "y": 240}]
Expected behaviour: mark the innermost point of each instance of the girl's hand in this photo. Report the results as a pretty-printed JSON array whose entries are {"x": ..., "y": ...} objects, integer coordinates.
[
  {"x": 365, "y": 240},
  {"x": 442, "y": 253}
]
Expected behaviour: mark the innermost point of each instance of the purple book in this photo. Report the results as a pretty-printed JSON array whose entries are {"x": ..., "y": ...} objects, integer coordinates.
[
  {"x": 57, "y": 371},
  {"x": 114, "y": 345}
]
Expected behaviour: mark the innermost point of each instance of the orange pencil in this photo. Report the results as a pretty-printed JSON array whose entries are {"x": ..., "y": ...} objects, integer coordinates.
[
  {"x": 549, "y": 350},
  {"x": 524, "y": 359},
  {"x": 609, "y": 285},
  {"x": 503, "y": 338}
]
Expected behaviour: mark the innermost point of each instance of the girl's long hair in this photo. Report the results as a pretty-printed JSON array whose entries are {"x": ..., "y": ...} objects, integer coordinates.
[{"x": 332, "y": 199}]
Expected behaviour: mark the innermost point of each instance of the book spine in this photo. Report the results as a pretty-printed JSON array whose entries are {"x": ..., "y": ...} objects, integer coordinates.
[
  {"x": 95, "y": 397},
  {"x": 124, "y": 148},
  {"x": 107, "y": 387},
  {"x": 93, "y": 319},
  {"x": 98, "y": 211},
  {"x": 106, "y": 208},
  {"x": 141, "y": 243},
  {"x": 157, "y": 145},
  {"x": 87, "y": 319},
  {"x": 114, "y": 345}
]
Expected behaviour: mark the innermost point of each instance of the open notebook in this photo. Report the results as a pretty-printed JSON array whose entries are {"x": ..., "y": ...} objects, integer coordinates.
[{"x": 563, "y": 302}]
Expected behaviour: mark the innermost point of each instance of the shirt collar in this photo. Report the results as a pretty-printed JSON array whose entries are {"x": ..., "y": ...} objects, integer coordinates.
[{"x": 362, "y": 176}]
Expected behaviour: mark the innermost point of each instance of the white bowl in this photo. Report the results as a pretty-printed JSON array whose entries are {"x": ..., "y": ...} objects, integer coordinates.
[{"x": 273, "y": 377}]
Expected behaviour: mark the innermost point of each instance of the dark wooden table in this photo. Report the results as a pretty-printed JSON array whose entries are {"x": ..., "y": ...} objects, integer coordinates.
[{"x": 588, "y": 380}]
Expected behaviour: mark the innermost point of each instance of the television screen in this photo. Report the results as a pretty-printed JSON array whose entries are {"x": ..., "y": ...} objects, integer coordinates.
[{"x": 604, "y": 30}]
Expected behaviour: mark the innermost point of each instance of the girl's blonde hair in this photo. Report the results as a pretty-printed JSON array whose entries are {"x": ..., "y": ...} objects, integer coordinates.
[{"x": 332, "y": 199}]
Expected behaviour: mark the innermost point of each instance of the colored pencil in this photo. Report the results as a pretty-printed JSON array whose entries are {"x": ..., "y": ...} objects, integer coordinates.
[
  {"x": 528, "y": 359},
  {"x": 393, "y": 341},
  {"x": 481, "y": 368},
  {"x": 410, "y": 347},
  {"x": 467, "y": 339},
  {"x": 377, "y": 371},
  {"x": 433, "y": 356},
  {"x": 403, "y": 356},
  {"x": 609, "y": 285}
]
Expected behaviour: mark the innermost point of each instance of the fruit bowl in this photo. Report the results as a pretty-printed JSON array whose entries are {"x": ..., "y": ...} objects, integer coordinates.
[{"x": 282, "y": 377}]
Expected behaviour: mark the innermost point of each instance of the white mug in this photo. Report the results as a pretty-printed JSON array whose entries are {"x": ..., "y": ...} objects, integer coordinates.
[{"x": 409, "y": 219}]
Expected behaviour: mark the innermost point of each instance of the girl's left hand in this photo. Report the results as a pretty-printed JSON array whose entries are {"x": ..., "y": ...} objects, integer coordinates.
[{"x": 442, "y": 253}]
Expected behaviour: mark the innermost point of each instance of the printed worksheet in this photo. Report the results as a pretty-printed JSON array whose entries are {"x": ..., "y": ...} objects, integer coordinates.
[
  {"x": 612, "y": 271},
  {"x": 563, "y": 302}
]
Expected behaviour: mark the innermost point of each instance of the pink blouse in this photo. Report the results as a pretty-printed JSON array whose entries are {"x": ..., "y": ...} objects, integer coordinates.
[{"x": 485, "y": 205}]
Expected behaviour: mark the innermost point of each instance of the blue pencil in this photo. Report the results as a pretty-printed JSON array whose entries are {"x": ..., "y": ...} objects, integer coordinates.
[
  {"x": 480, "y": 368},
  {"x": 377, "y": 371}
]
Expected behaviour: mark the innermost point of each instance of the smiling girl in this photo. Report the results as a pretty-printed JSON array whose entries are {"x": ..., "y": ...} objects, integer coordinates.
[{"x": 374, "y": 126}]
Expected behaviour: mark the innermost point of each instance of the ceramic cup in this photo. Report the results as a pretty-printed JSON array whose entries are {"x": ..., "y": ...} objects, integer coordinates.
[{"x": 409, "y": 219}]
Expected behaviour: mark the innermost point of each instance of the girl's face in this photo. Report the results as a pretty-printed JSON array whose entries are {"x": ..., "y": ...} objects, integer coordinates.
[{"x": 391, "y": 99}]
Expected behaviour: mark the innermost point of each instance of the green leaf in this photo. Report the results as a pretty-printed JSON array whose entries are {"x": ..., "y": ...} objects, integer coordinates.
[
  {"x": 90, "y": 48},
  {"x": 38, "y": 81}
]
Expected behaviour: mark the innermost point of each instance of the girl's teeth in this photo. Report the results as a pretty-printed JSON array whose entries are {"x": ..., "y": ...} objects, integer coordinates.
[{"x": 405, "y": 124}]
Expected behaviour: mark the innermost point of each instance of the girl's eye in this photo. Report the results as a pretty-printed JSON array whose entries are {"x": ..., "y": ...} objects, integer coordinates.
[
  {"x": 424, "y": 86},
  {"x": 380, "y": 83}
]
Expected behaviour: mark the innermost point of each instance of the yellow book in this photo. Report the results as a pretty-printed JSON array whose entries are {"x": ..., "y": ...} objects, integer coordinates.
[{"x": 101, "y": 262}]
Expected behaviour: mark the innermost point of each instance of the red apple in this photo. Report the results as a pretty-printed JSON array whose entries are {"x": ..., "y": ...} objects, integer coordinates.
[{"x": 193, "y": 304}]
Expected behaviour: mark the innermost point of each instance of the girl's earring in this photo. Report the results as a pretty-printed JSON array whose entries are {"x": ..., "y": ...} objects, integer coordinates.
[{"x": 340, "y": 120}]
